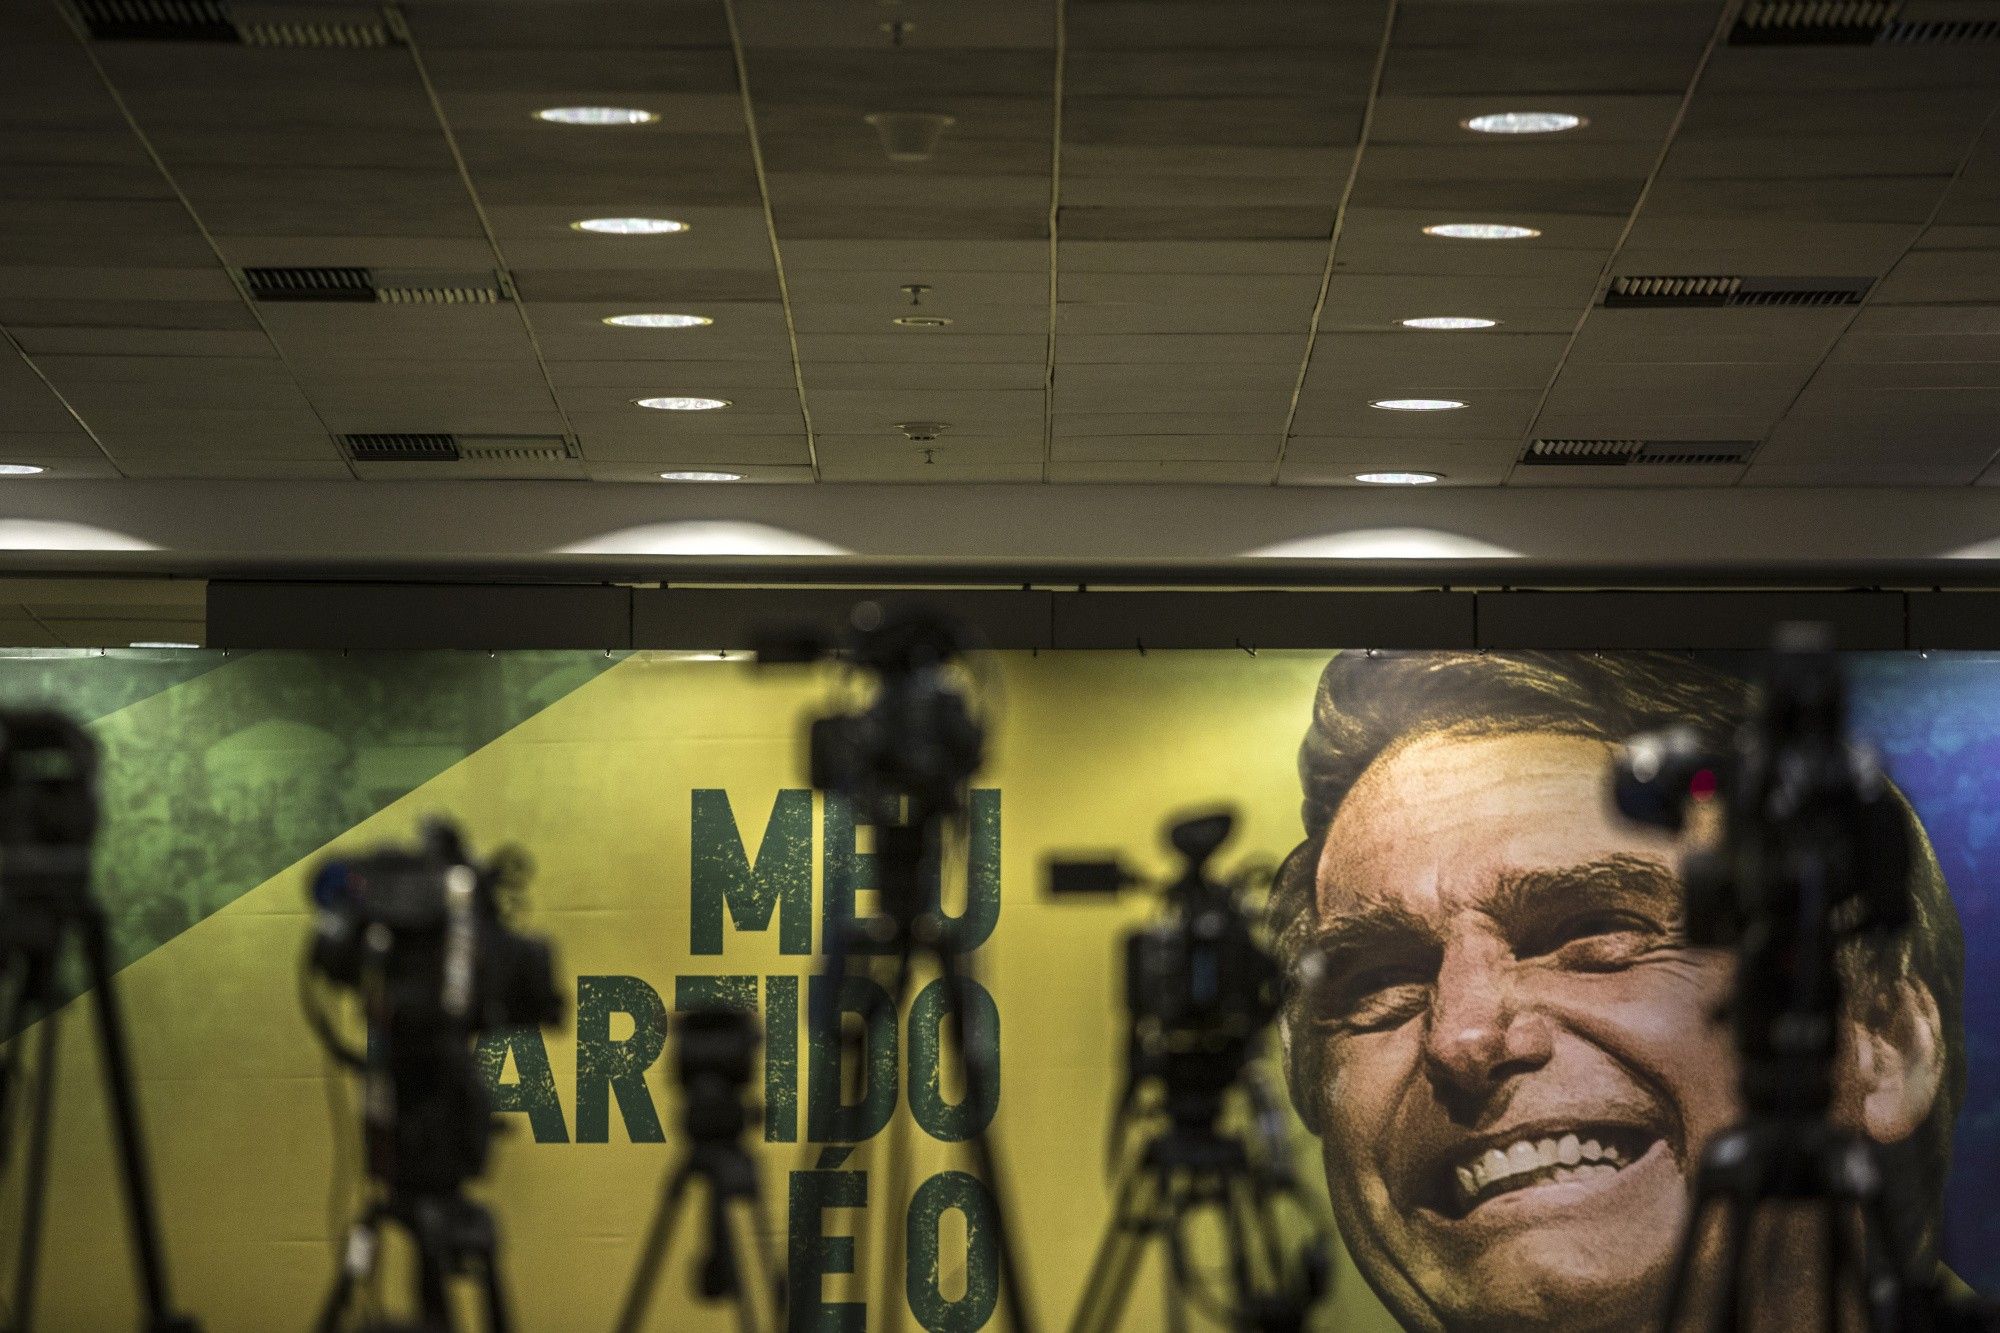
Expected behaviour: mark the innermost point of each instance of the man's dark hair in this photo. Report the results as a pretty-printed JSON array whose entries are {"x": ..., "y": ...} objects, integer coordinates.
[{"x": 1370, "y": 705}]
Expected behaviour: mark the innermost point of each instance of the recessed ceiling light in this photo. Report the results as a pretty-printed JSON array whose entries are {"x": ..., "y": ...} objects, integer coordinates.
[
  {"x": 1398, "y": 478},
  {"x": 19, "y": 469},
  {"x": 1481, "y": 231},
  {"x": 922, "y": 321},
  {"x": 630, "y": 226},
  {"x": 1417, "y": 404},
  {"x": 596, "y": 115},
  {"x": 682, "y": 404},
  {"x": 701, "y": 476},
  {"x": 658, "y": 321},
  {"x": 1523, "y": 122},
  {"x": 160, "y": 643},
  {"x": 1448, "y": 322}
]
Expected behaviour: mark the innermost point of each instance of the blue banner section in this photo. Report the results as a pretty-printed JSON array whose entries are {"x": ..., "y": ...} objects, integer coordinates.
[{"x": 1937, "y": 722}]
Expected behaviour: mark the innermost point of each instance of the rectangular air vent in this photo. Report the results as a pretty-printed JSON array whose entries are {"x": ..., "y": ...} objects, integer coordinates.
[
  {"x": 1691, "y": 291},
  {"x": 1812, "y": 22},
  {"x": 219, "y": 21},
  {"x": 1635, "y": 453},
  {"x": 310, "y": 283},
  {"x": 1581, "y": 453},
  {"x": 1855, "y": 23},
  {"x": 402, "y": 448},
  {"x": 158, "y": 20},
  {"x": 321, "y": 283}
]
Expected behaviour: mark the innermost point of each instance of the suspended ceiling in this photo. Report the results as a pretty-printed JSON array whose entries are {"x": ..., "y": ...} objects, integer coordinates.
[{"x": 1173, "y": 241}]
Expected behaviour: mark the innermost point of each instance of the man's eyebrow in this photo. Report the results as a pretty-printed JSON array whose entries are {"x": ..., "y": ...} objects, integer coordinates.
[
  {"x": 1372, "y": 926},
  {"x": 1639, "y": 881}
]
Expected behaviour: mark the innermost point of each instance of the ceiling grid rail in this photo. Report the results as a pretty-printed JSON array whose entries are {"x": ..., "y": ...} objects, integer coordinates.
[
  {"x": 1725, "y": 20},
  {"x": 1333, "y": 237},
  {"x": 741, "y": 58},
  {"x": 76, "y": 29},
  {"x": 401, "y": 28},
  {"x": 1055, "y": 222}
]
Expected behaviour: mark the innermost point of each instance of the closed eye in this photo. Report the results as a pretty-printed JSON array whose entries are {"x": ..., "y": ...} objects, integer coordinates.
[{"x": 1601, "y": 940}]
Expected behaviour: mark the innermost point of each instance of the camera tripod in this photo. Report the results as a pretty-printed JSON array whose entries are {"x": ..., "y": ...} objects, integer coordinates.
[
  {"x": 1812, "y": 853},
  {"x": 453, "y": 1236},
  {"x": 716, "y": 1050},
  {"x": 47, "y": 819},
  {"x": 1192, "y": 1166},
  {"x": 904, "y": 853}
]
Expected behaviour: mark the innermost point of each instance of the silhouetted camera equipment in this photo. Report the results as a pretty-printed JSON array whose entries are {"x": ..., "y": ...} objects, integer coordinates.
[
  {"x": 715, "y": 1060},
  {"x": 419, "y": 935},
  {"x": 1809, "y": 849},
  {"x": 48, "y": 823},
  {"x": 1202, "y": 991},
  {"x": 904, "y": 757},
  {"x": 918, "y": 740}
]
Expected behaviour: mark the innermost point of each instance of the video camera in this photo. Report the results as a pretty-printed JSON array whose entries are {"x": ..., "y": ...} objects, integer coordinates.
[
  {"x": 1199, "y": 984},
  {"x": 421, "y": 935},
  {"x": 919, "y": 738}
]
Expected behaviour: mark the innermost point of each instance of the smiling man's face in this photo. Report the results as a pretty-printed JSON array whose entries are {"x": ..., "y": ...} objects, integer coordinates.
[{"x": 1518, "y": 1062}]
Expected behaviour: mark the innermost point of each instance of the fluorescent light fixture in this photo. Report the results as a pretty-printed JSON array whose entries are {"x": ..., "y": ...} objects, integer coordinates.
[
  {"x": 1417, "y": 404},
  {"x": 673, "y": 404},
  {"x": 1448, "y": 322},
  {"x": 658, "y": 321},
  {"x": 596, "y": 115},
  {"x": 701, "y": 476},
  {"x": 922, "y": 321},
  {"x": 1398, "y": 478},
  {"x": 1523, "y": 122},
  {"x": 160, "y": 643},
  {"x": 1481, "y": 231},
  {"x": 19, "y": 469},
  {"x": 630, "y": 226}
]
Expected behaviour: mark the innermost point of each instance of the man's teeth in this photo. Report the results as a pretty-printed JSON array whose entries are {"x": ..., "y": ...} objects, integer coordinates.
[{"x": 1571, "y": 1157}]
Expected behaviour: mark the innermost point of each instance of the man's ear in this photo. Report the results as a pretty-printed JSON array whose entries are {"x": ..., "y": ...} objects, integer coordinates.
[{"x": 1893, "y": 1065}]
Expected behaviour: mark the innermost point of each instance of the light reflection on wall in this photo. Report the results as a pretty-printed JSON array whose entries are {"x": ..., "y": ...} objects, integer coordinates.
[
  {"x": 703, "y": 537},
  {"x": 1385, "y": 544}
]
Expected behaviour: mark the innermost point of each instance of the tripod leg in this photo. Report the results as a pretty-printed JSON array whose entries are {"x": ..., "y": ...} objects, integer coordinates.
[
  {"x": 125, "y": 1115},
  {"x": 36, "y": 1182},
  {"x": 1020, "y": 1313},
  {"x": 1118, "y": 1253},
  {"x": 895, "y": 1259},
  {"x": 499, "y": 1317},
  {"x": 768, "y": 1271},
  {"x": 433, "y": 1291},
  {"x": 1690, "y": 1252},
  {"x": 658, "y": 1236},
  {"x": 357, "y": 1261}
]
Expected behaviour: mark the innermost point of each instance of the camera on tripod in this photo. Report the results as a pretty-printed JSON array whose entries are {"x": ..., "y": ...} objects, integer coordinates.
[
  {"x": 1199, "y": 985},
  {"x": 1201, "y": 991},
  {"x": 421, "y": 934}
]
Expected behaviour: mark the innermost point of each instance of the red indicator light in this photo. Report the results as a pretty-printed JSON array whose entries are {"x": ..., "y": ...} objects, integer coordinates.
[{"x": 1702, "y": 785}]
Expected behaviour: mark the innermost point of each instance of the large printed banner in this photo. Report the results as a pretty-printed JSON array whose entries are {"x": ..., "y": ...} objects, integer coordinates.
[{"x": 1499, "y": 1081}]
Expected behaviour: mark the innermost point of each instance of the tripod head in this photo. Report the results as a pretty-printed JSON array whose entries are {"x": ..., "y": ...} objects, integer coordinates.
[{"x": 1812, "y": 851}]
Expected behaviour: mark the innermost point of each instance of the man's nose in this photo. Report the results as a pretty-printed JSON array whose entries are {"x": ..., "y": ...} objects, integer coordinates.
[{"x": 1479, "y": 1034}]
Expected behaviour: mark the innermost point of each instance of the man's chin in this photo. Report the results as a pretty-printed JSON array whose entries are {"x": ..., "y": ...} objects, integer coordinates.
[{"x": 1592, "y": 1250}]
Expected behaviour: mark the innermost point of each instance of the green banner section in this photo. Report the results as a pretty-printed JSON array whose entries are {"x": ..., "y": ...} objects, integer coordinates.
[{"x": 219, "y": 771}]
